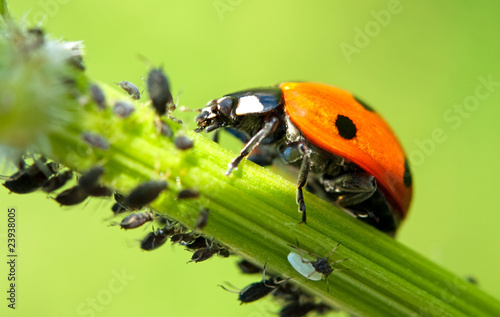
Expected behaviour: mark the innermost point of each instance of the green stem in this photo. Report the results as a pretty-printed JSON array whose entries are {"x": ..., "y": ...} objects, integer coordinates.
[{"x": 253, "y": 211}]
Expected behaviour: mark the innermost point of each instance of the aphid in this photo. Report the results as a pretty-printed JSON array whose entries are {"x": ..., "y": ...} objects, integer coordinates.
[
  {"x": 119, "y": 198},
  {"x": 207, "y": 252},
  {"x": 258, "y": 290},
  {"x": 123, "y": 109},
  {"x": 100, "y": 191},
  {"x": 188, "y": 194},
  {"x": 159, "y": 91},
  {"x": 131, "y": 89},
  {"x": 57, "y": 181},
  {"x": 248, "y": 267},
  {"x": 98, "y": 96},
  {"x": 198, "y": 243},
  {"x": 136, "y": 220},
  {"x": 95, "y": 140},
  {"x": 223, "y": 252},
  {"x": 90, "y": 179},
  {"x": 119, "y": 206},
  {"x": 31, "y": 178},
  {"x": 343, "y": 150},
  {"x": 156, "y": 238},
  {"x": 202, "y": 219},
  {"x": 118, "y": 209},
  {"x": 183, "y": 238},
  {"x": 144, "y": 194},
  {"x": 72, "y": 196},
  {"x": 319, "y": 267},
  {"x": 299, "y": 309},
  {"x": 183, "y": 143},
  {"x": 165, "y": 129}
]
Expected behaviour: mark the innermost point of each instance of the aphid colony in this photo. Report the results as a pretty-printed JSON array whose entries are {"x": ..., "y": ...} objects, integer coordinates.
[{"x": 51, "y": 177}]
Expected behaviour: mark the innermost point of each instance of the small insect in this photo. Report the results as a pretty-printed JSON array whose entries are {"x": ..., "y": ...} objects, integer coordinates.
[
  {"x": 72, "y": 196},
  {"x": 159, "y": 91},
  {"x": 202, "y": 219},
  {"x": 207, "y": 252},
  {"x": 100, "y": 191},
  {"x": 95, "y": 140},
  {"x": 299, "y": 309},
  {"x": 198, "y": 243},
  {"x": 156, "y": 238},
  {"x": 343, "y": 150},
  {"x": 188, "y": 194},
  {"x": 98, "y": 96},
  {"x": 183, "y": 238},
  {"x": 183, "y": 143},
  {"x": 144, "y": 194},
  {"x": 90, "y": 179},
  {"x": 118, "y": 209},
  {"x": 313, "y": 270},
  {"x": 136, "y": 220},
  {"x": 258, "y": 290},
  {"x": 123, "y": 109},
  {"x": 130, "y": 88},
  {"x": 164, "y": 128},
  {"x": 31, "y": 178},
  {"x": 248, "y": 267},
  {"x": 57, "y": 181}
]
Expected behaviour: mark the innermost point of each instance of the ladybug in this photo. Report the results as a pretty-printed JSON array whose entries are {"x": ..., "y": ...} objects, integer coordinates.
[{"x": 342, "y": 149}]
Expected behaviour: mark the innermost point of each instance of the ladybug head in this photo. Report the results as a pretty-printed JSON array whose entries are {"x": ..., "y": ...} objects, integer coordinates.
[{"x": 217, "y": 113}]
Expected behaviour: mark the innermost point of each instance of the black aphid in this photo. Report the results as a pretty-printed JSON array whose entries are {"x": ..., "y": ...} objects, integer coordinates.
[
  {"x": 57, "y": 181},
  {"x": 207, "y": 252},
  {"x": 72, "y": 196},
  {"x": 156, "y": 238},
  {"x": 300, "y": 309},
  {"x": 100, "y": 191},
  {"x": 90, "y": 179},
  {"x": 159, "y": 90},
  {"x": 183, "y": 238},
  {"x": 118, "y": 209},
  {"x": 31, "y": 178},
  {"x": 123, "y": 109},
  {"x": 144, "y": 194},
  {"x": 258, "y": 290},
  {"x": 198, "y": 243},
  {"x": 183, "y": 143},
  {"x": 131, "y": 89},
  {"x": 202, "y": 219},
  {"x": 95, "y": 140},
  {"x": 188, "y": 194},
  {"x": 98, "y": 96},
  {"x": 248, "y": 267}
]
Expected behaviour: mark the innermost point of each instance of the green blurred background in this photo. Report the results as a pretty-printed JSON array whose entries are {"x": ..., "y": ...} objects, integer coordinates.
[{"x": 425, "y": 65}]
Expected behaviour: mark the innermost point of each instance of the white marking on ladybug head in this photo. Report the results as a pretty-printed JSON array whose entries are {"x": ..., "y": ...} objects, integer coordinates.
[
  {"x": 249, "y": 104},
  {"x": 305, "y": 269}
]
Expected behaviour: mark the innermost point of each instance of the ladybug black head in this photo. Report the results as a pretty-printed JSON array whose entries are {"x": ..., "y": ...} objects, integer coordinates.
[{"x": 217, "y": 113}]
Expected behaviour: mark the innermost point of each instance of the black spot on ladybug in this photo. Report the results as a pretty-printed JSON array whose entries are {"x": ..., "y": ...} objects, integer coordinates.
[
  {"x": 407, "y": 175},
  {"x": 364, "y": 104},
  {"x": 347, "y": 128}
]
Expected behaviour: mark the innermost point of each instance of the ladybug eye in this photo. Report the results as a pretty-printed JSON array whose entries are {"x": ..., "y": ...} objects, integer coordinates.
[{"x": 225, "y": 105}]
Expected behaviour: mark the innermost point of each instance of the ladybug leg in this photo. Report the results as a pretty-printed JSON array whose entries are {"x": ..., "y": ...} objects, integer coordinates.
[
  {"x": 291, "y": 154},
  {"x": 269, "y": 126},
  {"x": 352, "y": 188},
  {"x": 302, "y": 180}
]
